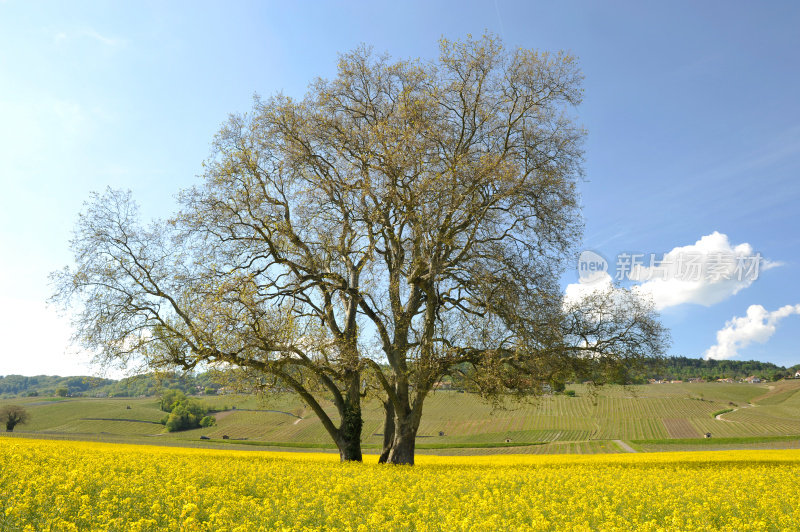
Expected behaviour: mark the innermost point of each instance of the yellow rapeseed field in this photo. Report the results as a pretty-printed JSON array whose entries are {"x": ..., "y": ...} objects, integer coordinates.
[{"x": 53, "y": 485}]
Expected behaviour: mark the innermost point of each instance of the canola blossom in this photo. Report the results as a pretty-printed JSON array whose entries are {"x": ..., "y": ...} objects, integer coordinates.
[{"x": 58, "y": 485}]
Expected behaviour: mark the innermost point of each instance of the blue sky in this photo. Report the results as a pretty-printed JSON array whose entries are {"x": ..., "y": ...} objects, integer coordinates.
[{"x": 692, "y": 112}]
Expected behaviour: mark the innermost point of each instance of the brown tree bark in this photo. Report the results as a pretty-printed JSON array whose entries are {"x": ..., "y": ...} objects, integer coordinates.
[
  {"x": 403, "y": 446},
  {"x": 349, "y": 438},
  {"x": 388, "y": 431}
]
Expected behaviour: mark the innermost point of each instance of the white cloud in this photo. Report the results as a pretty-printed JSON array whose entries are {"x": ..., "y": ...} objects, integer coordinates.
[
  {"x": 705, "y": 273},
  {"x": 758, "y": 325},
  {"x": 598, "y": 282},
  {"x": 593, "y": 279}
]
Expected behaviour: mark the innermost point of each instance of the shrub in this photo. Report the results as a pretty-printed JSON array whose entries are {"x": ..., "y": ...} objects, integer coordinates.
[
  {"x": 186, "y": 414},
  {"x": 208, "y": 421},
  {"x": 170, "y": 399}
]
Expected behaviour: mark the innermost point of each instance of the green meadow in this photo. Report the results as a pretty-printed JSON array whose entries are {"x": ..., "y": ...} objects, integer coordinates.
[{"x": 653, "y": 417}]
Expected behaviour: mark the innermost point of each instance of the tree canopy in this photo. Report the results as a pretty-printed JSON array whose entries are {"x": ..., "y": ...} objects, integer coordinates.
[
  {"x": 403, "y": 221},
  {"x": 13, "y": 415}
]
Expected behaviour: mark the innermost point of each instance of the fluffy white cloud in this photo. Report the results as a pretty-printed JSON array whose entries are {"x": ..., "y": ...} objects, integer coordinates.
[
  {"x": 599, "y": 282},
  {"x": 593, "y": 277},
  {"x": 758, "y": 325},
  {"x": 705, "y": 273}
]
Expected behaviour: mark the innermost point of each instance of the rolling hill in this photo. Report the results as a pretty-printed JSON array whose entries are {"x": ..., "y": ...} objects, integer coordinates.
[{"x": 648, "y": 417}]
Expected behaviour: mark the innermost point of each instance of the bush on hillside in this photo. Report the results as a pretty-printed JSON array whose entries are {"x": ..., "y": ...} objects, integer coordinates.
[
  {"x": 170, "y": 399},
  {"x": 184, "y": 413}
]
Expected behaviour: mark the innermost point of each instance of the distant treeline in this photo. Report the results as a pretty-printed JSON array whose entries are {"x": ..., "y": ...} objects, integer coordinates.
[
  {"x": 669, "y": 368},
  {"x": 682, "y": 368},
  {"x": 140, "y": 385},
  {"x": 49, "y": 385}
]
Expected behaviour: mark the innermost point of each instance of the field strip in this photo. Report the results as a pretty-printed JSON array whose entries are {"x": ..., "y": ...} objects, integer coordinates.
[
  {"x": 624, "y": 446},
  {"x": 118, "y": 419},
  {"x": 255, "y": 410},
  {"x": 679, "y": 428}
]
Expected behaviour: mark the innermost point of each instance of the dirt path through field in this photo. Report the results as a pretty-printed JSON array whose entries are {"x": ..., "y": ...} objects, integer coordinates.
[
  {"x": 624, "y": 446},
  {"x": 719, "y": 417}
]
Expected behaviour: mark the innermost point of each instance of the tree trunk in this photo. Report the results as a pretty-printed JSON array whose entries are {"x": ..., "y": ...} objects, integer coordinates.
[
  {"x": 348, "y": 439},
  {"x": 405, "y": 437},
  {"x": 388, "y": 431},
  {"x": 349, "y": 450}
]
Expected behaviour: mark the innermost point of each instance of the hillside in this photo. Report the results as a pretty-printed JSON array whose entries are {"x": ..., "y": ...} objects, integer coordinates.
[
  {"x": 670, "y": 368},
  {"x": 650, "y": 417},
  {"x": 84, "y": 386}
]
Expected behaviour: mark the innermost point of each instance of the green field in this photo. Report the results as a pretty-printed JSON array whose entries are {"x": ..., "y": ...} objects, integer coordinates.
[{"x": 650, "y": 418}]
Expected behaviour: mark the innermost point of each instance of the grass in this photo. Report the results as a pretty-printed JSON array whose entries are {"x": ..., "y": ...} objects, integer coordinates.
[
  {"x": 649, "y": 415},
  {"x": 289, "y": 445},
  {"x": 492, "y": 445},
  {"x": 422, "y": 446},
  {"x": 716, "y": 441}
]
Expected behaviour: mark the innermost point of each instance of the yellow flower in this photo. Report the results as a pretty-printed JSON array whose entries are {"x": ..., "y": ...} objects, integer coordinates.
[{"x": 121, "y": 487}]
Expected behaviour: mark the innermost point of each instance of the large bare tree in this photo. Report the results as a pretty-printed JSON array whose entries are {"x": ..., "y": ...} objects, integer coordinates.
[{"x": 403, "y": 221}]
